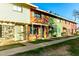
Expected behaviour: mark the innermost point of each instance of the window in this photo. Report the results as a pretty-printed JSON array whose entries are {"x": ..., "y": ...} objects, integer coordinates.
[
  {"x": 35, "y": 30},
  {"x": 72, "y": 31},
  {"x": 30, "y": 29},
  {"x": 8, "y": 31},
  {"x": 17, "y": 8},
  {"x": 69, "y": 23},
  {"x": 37, "y": 15},
  {"x": 58, "y": 20}
]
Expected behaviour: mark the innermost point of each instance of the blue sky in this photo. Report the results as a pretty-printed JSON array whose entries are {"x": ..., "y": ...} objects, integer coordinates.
[{"x": 63, "y": 9}]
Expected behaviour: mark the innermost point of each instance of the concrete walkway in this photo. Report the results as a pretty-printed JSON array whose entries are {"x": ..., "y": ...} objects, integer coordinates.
[{"x": 30, "y": 46}]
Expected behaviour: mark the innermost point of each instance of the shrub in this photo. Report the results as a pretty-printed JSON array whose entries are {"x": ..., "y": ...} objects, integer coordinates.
[{"x": 64, "y": 34}]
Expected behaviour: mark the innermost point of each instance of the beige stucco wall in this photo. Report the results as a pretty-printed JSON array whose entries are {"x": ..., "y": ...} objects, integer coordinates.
[{"x": 7, "y": 13}]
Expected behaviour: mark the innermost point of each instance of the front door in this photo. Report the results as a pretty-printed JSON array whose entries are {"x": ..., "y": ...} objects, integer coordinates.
[{"x": 19, "y": 32}]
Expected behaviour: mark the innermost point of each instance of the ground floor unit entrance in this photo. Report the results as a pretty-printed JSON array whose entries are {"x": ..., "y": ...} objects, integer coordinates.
[
  {"x": 37, "y": 31},
  {"x": 17, "y": 31},
  {"x": 21, "y": 31},
  {"x": 13, "y": 31}
]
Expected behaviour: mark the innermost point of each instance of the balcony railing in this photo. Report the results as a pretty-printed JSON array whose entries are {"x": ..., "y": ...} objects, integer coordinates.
[{"x": 39, "y": 20}]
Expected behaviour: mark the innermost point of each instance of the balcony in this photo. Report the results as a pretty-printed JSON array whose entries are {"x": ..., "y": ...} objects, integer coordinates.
[{"x": 39, "y": 20}]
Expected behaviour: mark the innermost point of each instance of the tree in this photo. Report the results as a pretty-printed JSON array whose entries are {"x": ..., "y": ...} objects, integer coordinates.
[
  {"x": 52, "y": 26},
  {"x": 76, "y": 14}
]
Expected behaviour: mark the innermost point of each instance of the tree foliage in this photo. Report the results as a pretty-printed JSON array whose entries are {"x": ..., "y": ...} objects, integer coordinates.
[{"x": 52, "y": 26}]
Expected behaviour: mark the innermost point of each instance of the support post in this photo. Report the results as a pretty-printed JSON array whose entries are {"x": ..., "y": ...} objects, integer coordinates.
[
  {"x": 41, "y": 31},
  {"x": 32, "y": 29},
  {"x": 24, "y": 28}
]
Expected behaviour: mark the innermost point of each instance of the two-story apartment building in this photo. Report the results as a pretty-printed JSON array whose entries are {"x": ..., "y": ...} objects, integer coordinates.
[
  {"x": 40, "y": 27},
  {"x": 14, "y": 18},
  {"x": 67, "y": 27},
  {"x": 39, "y": 24},
  {"x": 22, "y": 21}
]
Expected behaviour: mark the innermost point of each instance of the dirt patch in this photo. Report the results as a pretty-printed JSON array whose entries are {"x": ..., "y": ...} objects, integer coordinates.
[{"x": 60, "y": 51}]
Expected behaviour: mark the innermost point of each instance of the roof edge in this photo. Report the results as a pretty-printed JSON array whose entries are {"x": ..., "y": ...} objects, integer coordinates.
[{"x": 63, "y": 18}]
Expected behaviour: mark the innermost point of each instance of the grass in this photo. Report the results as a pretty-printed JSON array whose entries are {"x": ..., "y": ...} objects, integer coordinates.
[
  {"x": 47, "y": 40},
  {"x": 11, "y": 46},
  {"x": 74, "y": 48},
  {"x": 40, "y": 41}
]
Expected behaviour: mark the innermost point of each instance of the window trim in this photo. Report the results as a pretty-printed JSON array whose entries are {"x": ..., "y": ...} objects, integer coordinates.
[{"x": 17, "y": 8}]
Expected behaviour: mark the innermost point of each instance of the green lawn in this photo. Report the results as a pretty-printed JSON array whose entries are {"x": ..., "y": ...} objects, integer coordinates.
[
  {"x": 11, "y": 46},
  {"x": 47, "y": 40},
  {"x": 40, "y": 41},
  {"x": 74, "y": 48}
]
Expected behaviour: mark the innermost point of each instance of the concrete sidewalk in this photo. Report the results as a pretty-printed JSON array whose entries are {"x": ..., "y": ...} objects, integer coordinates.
[{"x": 30, "y": 46}]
